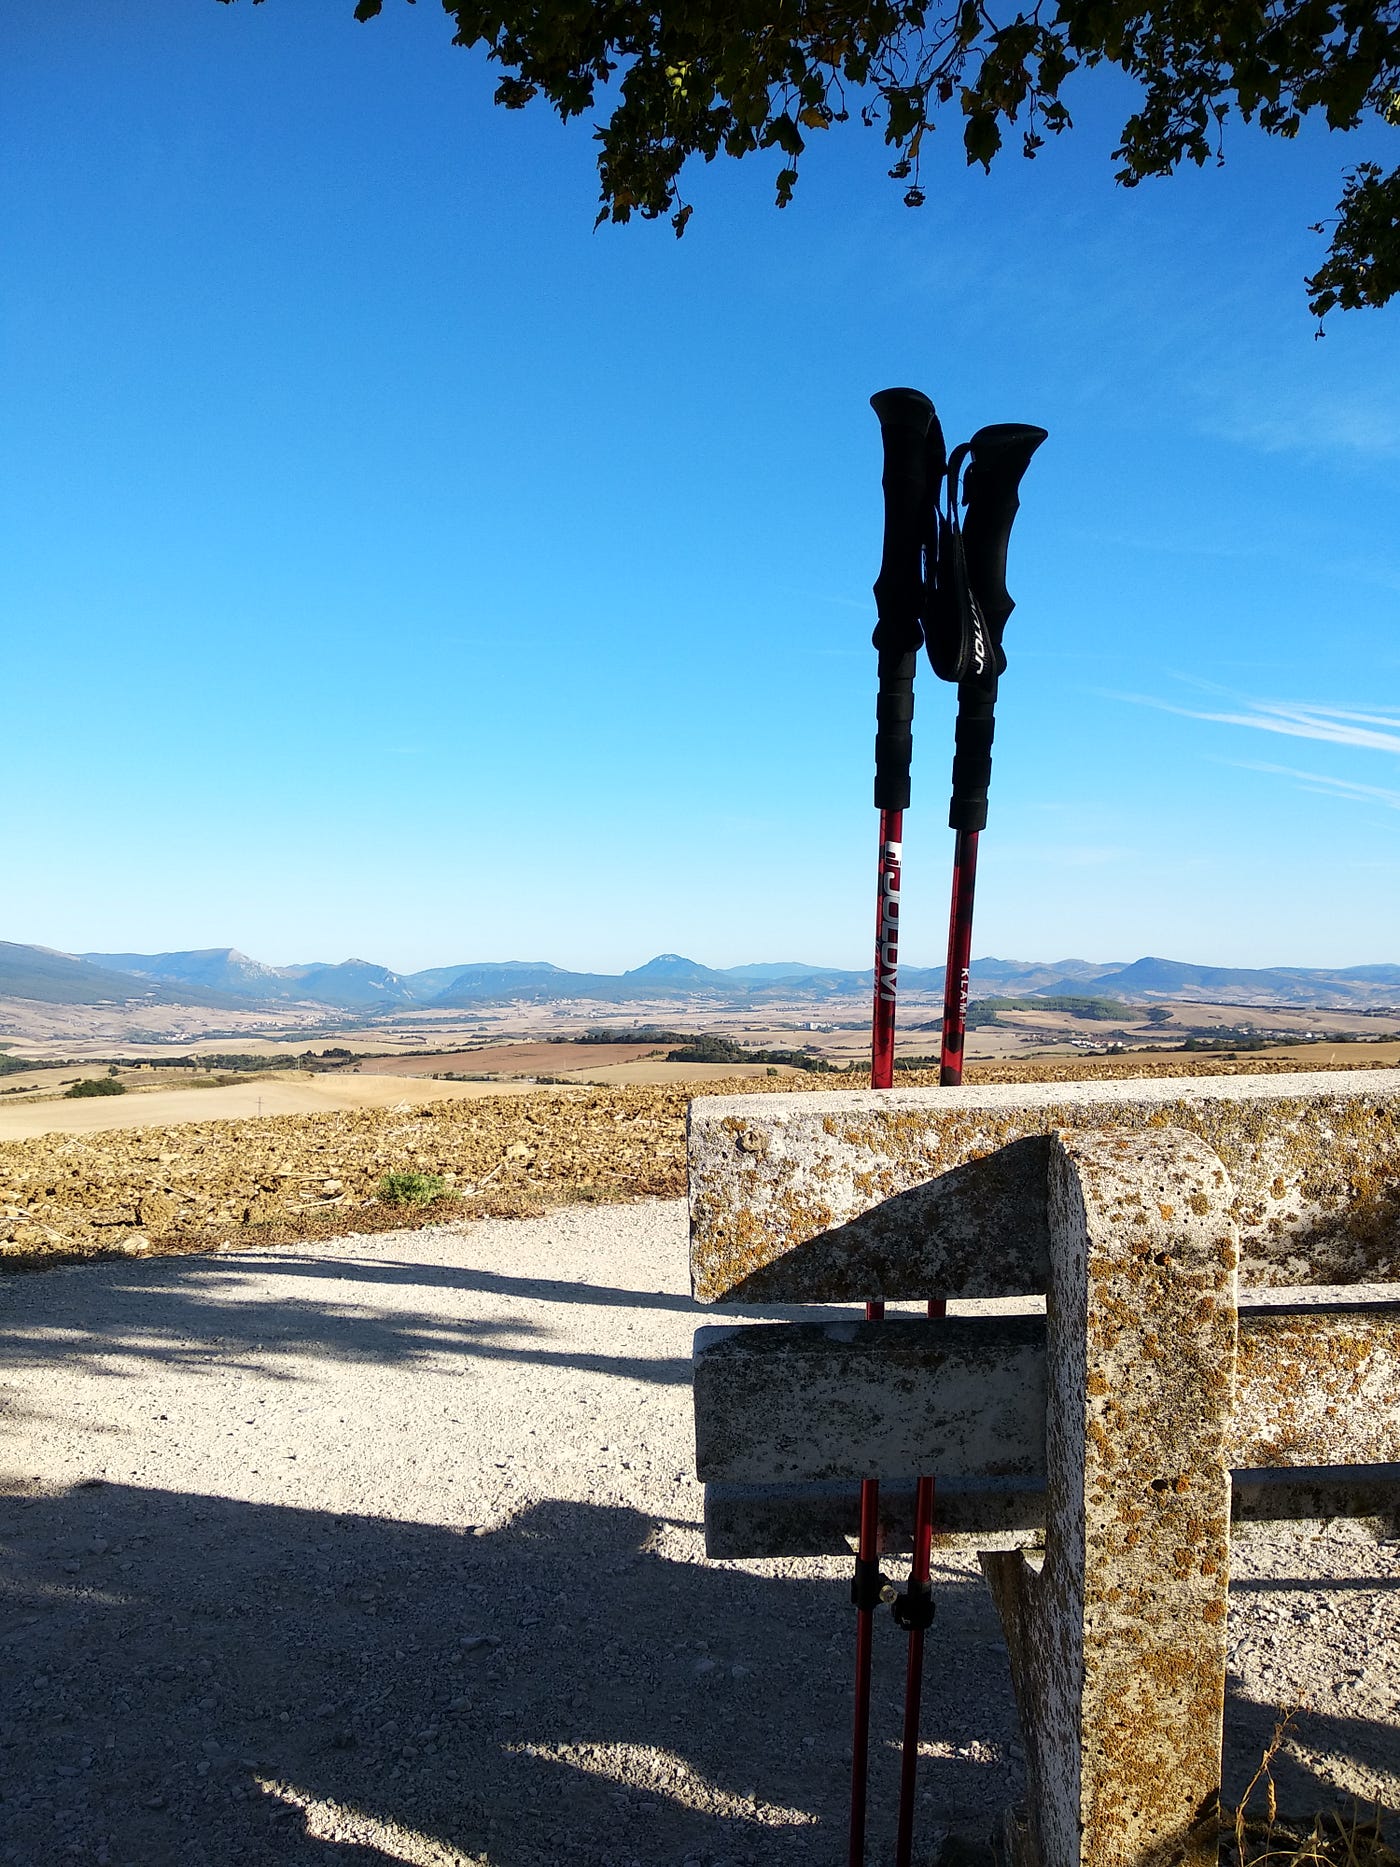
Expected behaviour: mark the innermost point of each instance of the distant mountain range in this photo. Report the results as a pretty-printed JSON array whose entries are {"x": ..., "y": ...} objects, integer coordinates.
[{"x": 223, "y": 978}]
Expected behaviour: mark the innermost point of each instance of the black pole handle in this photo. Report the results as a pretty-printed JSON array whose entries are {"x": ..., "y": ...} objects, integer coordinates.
[
  {"x": 998, "y": 458},
  {"x": 906, "y": 417},
  {"x": 1000, "y": 455}
]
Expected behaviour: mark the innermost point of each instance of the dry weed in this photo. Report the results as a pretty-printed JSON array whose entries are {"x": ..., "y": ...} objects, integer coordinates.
[{"x": 1267, "y": 1839}]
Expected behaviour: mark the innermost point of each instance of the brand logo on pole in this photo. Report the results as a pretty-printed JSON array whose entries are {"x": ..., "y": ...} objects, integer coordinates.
[
  {"x": 979, "y": 638},
  {"x": 887, "y": 946}
]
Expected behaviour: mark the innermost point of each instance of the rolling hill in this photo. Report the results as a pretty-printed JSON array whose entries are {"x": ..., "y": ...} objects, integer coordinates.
[
  {"x": 223, "y": 977},
  {"x": 39, "y": 974}
]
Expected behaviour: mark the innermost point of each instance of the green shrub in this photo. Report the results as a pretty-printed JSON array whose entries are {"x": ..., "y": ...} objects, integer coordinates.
[
  {"x": 411, "y": 1189},
  {"x": 95, "y": 1086}
]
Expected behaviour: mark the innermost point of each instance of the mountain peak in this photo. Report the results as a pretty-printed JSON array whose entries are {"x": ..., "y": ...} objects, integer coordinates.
[{"x": 672, "y": 966}]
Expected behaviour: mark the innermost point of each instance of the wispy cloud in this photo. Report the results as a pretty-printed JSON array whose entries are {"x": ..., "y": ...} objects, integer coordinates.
[
  {"x": 1310, "y": 421},
  {"x": 1377, "y": 731},
  {"x": 1324, "y": 786}
]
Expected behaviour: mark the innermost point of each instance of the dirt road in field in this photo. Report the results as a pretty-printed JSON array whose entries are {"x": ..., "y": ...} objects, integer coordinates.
[{"x": 388, "y": 1550}]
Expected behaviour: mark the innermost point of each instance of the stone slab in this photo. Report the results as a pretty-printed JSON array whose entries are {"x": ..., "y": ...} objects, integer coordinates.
[
  {"x": 1317, "y": 1385},
  {"x": 782, "y": 1402},
  {"x": 964, "y": 1397},
  {"x": 824, "y": 1519},
  {"x": 743, "y": 1521},
  {"x": 894, "y": 1194}
]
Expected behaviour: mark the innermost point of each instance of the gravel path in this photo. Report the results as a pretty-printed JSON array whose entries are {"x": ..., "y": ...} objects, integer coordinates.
[{"x": 388, "y": 1550}]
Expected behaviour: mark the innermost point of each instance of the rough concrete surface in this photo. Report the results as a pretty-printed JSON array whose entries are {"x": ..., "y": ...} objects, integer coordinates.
[
  {"x": 388, "y": 1549},
  {"x": 784, "y": 1403},
  {"x": 789, "y": 1403},
  {"x": 936, "y": 1192},
  {"x": 1118, "y": 1640}
]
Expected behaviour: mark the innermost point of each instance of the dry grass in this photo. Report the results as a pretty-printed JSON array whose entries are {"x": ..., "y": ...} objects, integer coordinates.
[{"x": 1262, "y": 1837}]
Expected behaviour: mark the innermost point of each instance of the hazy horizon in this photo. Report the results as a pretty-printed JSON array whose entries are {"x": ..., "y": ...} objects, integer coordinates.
[{"x": 624, "y": 965}]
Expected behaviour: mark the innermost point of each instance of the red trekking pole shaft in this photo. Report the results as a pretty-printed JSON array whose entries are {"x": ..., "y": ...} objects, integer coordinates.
[
  {"x": 971, "y": 764},
  {"x": 918, "y": 1604},
  {"x": 865, "y": 1591},
  {"x": 1000, "y": 456},
  {"x": 905, "y": 416},
  {"x": 956, "y": 976}
]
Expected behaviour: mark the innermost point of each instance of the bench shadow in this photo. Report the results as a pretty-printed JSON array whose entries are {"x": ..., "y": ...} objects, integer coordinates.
[
  {"x": 1302, "y": 1791},
  {"x": 196, "y": 1312},
  {"x": 195, "y": 1679},
  {"x": 198, "y": 1679}
]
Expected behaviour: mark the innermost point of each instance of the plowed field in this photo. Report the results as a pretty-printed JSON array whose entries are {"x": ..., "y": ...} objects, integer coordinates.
[{"x": 199, "y": 1185}]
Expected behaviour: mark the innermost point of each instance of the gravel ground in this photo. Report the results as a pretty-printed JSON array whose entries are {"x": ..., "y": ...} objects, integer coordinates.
[{"x": 388, "y": 1550}]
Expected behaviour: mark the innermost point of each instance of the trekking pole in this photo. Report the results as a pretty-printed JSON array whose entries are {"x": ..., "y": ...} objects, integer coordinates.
[
  {"x": 964, "y": 626},
  {"x": 997, "y": 459},
  {"x": 906, "y": 421},
  {"x": 909, "y": 430}
]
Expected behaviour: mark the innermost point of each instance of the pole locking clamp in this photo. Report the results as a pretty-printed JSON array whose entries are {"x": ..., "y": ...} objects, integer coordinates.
[
  {"x": 913, "y": 1610},
  {"x": 869, "y": 1587}
]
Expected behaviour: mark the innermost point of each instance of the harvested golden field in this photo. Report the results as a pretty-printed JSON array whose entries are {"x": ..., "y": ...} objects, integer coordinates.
[
  {"x": 199, "y": 1185},
  {"x": 286, "y": 1093}
]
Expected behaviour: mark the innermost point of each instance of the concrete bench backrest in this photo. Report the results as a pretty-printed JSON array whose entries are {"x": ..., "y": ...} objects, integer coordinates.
[{"x": 858, "y": 1195}]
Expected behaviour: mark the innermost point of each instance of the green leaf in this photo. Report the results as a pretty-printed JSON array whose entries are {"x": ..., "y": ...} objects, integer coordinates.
[
  {"x": 1363, "y": 266},
  {"x": 708, "y": 77}
]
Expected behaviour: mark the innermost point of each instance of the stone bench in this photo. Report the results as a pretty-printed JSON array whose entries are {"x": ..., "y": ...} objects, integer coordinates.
[{"x": 1118, "y": 1434}]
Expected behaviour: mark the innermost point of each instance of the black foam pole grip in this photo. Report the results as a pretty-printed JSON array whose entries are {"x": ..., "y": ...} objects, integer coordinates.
[
  {"x": 972, "y": 757},
  {"x": 1001, "y": 454},
  {"x": 904, "y": 416},
  {"x": 894, "y": 730}
]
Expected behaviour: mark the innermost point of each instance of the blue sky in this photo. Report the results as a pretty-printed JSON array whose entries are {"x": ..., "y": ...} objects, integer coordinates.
[{"x": 393, "y": 566}]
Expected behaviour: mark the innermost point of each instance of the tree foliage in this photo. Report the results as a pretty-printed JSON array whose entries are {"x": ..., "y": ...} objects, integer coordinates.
[
  {"x": 683, "y": 78},
  {"x": 710, "y": 1047}
]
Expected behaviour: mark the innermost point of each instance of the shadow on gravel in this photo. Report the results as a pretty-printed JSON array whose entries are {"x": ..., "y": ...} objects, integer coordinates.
[
  {"x": 194, "y": 1680},
  {"x": 460, "y": 1277},
  {"x": 1301, "y": 1791},
  {"x": 1291, "y": 1585},
  {"x": 196, "y": 1311},
  {"x": 197, "y": 1680}
]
